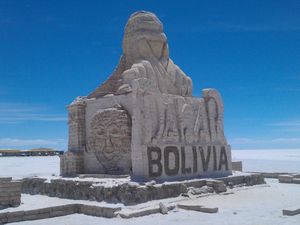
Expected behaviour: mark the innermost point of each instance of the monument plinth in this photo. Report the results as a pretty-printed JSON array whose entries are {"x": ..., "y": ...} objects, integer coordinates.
[{"x": 144, "y": 120}]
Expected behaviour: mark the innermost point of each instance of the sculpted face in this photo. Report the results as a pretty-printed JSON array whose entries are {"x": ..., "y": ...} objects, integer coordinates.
[
  {"x": 144, "y": 38},
  {"x": 110, "y": 137},
  {"x": 151, "y": 45}
]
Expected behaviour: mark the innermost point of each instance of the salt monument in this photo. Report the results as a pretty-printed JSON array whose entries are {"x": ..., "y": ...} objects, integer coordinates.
[{"x": 144, "y": 120}]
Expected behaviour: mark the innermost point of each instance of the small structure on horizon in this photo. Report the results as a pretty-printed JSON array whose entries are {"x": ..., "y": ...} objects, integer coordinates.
[
  {"x": 30, "y": 152},
  {"x": 144, "y": 120}
]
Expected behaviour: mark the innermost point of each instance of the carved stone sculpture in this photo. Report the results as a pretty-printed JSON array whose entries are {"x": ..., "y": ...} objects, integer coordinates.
[
  {"x": 110, "y": 139},
  {"x": 145, "y": 55},
  {"x": 144, "y": 120}
]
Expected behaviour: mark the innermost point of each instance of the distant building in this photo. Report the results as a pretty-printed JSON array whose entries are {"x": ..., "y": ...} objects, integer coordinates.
[{"x": 31, "y": 152}]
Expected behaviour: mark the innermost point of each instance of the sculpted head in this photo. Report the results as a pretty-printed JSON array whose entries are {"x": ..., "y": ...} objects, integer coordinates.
[
  {"x": 144, "y": 38},
  {"x": 145, "y": 45}
]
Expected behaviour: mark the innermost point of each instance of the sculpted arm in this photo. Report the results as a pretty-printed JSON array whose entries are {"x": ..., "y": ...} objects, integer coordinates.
[
  {"x": 181, "y": 81},
  {"x": 135, "y": 72}
]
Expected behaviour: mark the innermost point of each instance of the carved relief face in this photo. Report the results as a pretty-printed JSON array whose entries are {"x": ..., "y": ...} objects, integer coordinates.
[{"x": 110, "y": 136}]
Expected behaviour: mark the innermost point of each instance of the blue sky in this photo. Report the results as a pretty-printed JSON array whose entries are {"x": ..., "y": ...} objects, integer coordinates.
[{"x": 53, "y": 51}]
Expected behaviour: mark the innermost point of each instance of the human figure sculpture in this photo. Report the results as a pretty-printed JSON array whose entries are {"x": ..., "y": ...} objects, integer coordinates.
[{"x": 145, "y": 55}]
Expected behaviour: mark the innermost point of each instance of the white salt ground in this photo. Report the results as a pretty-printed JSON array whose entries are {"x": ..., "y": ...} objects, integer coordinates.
[
  {"x": 247, "y": 206},
  {"x": 280, "y": 160},
  {"x": 260, "y": 205},
  {"x": 20, "y": 167}
]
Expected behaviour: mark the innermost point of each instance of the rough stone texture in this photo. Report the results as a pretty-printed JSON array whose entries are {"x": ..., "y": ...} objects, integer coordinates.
[
  {"x": 55, "y": 211},
  {"x": 237, "y": 166},
  {"x": 5, "y": 179},
  {"x": 76, "y": 122},
  {"x": 199, "y": 191},
  {"x": 71, "y": 163},
  {"x": 217, "y": 185},
  {"x": 254, "y": 179},
  {"x": 145, "y": 55},
  {"x": 175, "y": 138},
  {"x": 276, "y": 175},
  {"x": 272, "y": 175},
  {"x": 144, "y": 118},
  {"x": 285, "y": 179},
  {"x": 198, "y": 208},
  {"x": 296, "y": 181},
  {"x": 293, "y": 178},
  {"x": 130, "y": 193},
  {"x": 110, "y": 140},
  {"x": 98, "y": 211},
  {"x": 139, "y": 213},
  {"x": 296, "y": 175},
  {"x": 163, "y": 208},
  {"x": 10, "y": 192},
  {"x": 142, "y": 212},
  {"x": 112, "y": 176},
  {"x": 86, "y": 190}
]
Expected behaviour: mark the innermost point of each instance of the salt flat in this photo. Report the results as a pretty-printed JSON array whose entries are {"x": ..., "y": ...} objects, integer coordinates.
[
  {"x": 280, "y": 160},
  {"x": 247, "y": 206},
  {"x": 20, "y": 167}
]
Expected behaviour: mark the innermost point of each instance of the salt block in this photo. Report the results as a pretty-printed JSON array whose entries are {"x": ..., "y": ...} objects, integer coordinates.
[
  {"x": 5, "y": 179},
  {"x": 296, "y": 181},
  {"x": 297, "y": 175},
  {"x": 138, "y": 213},
  {"x": 163, "y": 208},
  {"x": 218, "y": 185},
  {"x": 287, "y": 212},
  {"x": 198, "y": 208},
  {"x": 285, "y": 178}
]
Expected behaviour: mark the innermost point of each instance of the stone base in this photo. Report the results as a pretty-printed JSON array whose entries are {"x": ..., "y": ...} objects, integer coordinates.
[
  {"x": 289, "y": 178},
  {"x": 248, "y": 180},
  {"x": 71, "y": 164},
  {"x": 128, "y": 192},
  {"x": 55, "y": 211},
  {"x": 10, "y": 193}
]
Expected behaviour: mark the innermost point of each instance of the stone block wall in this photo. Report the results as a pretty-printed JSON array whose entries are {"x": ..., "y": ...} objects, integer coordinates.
[
  {"x": 237, "y": 166},
  {"x": 55, "y": 211},
  {"x": 71, "y": 164},
  {"x": 129, "y": 193},
  {"x": 289, "y": 178},
  {"x": 10, "y": 192}
]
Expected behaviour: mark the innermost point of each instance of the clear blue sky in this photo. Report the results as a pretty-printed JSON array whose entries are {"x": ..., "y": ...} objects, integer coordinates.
[{"x": 53, "y": 51}]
